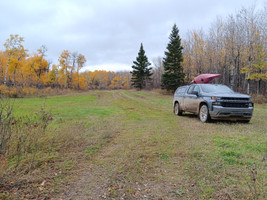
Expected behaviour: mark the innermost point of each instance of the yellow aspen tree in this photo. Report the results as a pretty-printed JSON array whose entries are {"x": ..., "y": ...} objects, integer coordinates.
[
  {"x": 116, "y": 83},
  {"x": 64, "y": 63},
  {"x": 81, "y": 60},
  {"x": 258, "y": 70},
  {"x": 53, "y": 75},
  {"x": 3, "y": 64},
  {"x": 13, "y": 45},
  {"x": 16, "y": 63}
]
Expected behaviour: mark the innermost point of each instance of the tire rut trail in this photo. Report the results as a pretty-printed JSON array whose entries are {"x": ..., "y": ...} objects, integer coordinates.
[{"x": 132, "y": 165}]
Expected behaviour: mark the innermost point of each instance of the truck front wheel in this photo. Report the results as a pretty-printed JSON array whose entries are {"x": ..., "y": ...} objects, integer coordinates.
[{"x": 204, "y": 115}]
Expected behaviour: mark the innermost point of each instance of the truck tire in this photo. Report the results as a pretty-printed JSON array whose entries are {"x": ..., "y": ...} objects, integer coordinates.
[
  {"x": 204, "y": 115},
  {"x": 177, "y": 110}
]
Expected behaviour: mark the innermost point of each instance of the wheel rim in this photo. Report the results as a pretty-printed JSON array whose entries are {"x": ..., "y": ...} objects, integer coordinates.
[{"x": 203, "y": 113}]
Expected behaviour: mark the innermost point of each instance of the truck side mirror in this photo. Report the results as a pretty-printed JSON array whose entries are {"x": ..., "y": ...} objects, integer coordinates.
[{"x": 195, "y": 93}]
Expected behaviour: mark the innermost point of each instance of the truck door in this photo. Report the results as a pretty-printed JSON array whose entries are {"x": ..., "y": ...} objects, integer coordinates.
[
  {"x": 191, "y": 100},
  {"x": 195, "y": 99}
]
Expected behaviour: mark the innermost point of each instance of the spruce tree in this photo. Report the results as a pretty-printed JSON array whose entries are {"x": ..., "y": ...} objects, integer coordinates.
[
  {"x": 173, "y": 75},
  {"x": 141, "y": 71}
]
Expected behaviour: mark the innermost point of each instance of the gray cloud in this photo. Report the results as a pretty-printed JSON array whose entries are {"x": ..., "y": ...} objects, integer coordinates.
[{"x": 108, "y": 33}]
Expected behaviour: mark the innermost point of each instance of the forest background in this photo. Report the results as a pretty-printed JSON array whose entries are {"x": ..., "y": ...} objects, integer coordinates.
[{"x": 235, "y": 47}]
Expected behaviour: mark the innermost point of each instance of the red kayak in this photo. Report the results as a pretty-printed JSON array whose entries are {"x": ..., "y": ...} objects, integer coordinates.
[{"x": 204, "y": 78}]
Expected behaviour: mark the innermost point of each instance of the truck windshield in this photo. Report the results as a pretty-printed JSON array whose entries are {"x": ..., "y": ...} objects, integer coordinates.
[{"x": 216, "y": 89}]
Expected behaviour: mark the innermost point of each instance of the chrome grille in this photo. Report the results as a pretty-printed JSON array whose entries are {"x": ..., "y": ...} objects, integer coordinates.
[
  {"x": 235, "y": 104},
  {"x": 235, "y": 99}
]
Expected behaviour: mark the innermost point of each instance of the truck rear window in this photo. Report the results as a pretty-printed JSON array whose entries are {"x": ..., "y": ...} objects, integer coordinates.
[{"x": 180, "y": 91}]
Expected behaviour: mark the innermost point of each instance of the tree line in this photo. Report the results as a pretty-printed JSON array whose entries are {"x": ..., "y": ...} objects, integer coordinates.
[
  {"x": 235, "y": 47},
  {"x": 18, "y": 68}
]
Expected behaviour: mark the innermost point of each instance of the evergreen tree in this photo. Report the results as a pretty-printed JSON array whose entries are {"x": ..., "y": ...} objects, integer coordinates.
[
  {"x": 141, "y": 72},
  {"x": 173, "y": 75}
]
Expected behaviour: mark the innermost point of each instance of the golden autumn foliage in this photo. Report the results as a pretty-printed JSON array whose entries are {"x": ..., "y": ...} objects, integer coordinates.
[
  {"x": 235, "y": 47},
  {"x": 22, "y": 74}
]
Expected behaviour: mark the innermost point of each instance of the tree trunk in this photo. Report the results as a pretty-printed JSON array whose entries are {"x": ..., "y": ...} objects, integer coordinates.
[
  {"x": 13, "y": 80},
  {"x": 248, "y": 84},
  {"x": 232, "y": 78},
  {"x": 66, "y": 77},
  {"x": 39, "y": 80},
  {"x": 7, "y": 69},
  {"x": 78, "y": 86},
  {"x": 258, "y": 86},
  {"x": 70, "y": 81}
]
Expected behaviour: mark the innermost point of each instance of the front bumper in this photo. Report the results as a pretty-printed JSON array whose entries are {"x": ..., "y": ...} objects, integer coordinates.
[{"x": 220, "y": 112}]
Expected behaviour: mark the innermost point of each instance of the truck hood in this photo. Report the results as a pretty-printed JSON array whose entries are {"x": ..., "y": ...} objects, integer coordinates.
[{"x": 230, "y": 95}]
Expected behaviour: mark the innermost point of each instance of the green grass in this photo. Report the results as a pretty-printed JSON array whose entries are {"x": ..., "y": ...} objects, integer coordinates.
[
  {"x": 67, "y": 108},
  {"x": 241, "y": 150},
  {"x": 137, "y": 148}
]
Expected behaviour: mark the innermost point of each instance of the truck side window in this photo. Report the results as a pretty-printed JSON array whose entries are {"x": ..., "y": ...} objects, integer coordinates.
[
  {"x": 190, "y": 90},
  {"x": 196, "y": 88}
]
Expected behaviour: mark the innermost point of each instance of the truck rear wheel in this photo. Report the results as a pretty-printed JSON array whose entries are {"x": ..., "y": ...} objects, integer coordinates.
[{"x": 177, "y": 110}]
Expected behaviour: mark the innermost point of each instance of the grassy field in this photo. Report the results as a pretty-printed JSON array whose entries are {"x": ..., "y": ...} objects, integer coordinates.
[{"x": 130, "y": 145}]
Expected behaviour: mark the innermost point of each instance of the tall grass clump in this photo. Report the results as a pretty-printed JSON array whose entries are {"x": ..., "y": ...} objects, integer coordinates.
[
  {"x": 31, "y": 149},
  {"x": 25, "y": 143}
]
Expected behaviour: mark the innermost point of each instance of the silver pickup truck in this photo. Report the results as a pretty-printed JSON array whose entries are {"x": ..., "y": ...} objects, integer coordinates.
[{"x": 212, "y": 101}]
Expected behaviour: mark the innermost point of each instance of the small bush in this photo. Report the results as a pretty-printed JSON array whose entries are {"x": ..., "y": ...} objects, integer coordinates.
[
  {"x": 260, "y": 99},
  {"x": 23, "y": 138},
  {"x": 256, "y": 183},
  {"x": 4, "y": 90},
  {"x": 164, "y": 92},
  {"x": 12, "y": 92},
  {"x": 29, "y": 91},
  {"x": 49, "y": 90},
  {"x": 29, "y": 147},
  {"x": 18, "y": 92},
  {"x": 7, "y": 121}
]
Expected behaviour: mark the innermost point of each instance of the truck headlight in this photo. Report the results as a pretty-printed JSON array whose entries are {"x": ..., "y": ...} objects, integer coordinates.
[
  {"x": 216, "y": 103},
  {"x": 251, "y": 104},
  {"x": 215, "y": 98}
]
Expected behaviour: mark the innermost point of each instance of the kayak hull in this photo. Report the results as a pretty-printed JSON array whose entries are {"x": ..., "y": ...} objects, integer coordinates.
[{"x": 204, "y": 78}]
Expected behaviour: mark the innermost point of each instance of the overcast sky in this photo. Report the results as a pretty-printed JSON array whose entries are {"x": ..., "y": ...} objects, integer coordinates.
[{"x": 108, "y": 32}]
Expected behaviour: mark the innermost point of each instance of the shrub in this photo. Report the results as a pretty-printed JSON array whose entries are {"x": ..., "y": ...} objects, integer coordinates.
[
  {"x": 14, "y": 93},
  {"x": 4, "y": 90},
  {"x": 21, "y": 139},
  {"x": 29, "y": 91},
  {"x": 163, "y": 92},
  {"x": 7, "y": 121},
  {"x": 49, "y": 90},
  {"x": 260, "y": 99},
  {"x": 10, "y": 91}
]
